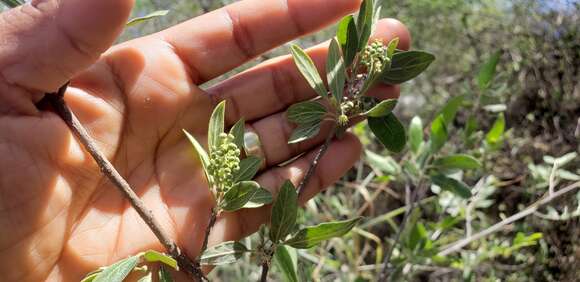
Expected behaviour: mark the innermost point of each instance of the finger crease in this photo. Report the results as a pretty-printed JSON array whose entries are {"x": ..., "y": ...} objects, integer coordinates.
[
  {"x": 299, "y": 29},
  {"x": 283, "y": 86},
  {"x": 242, "y": 37}
]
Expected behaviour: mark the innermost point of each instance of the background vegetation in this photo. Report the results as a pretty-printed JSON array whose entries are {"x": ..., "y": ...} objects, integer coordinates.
[{"x": 535, "y": 88}]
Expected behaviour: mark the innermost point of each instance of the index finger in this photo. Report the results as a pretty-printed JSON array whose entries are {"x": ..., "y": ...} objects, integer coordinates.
[{"x": 221, "y": 40}]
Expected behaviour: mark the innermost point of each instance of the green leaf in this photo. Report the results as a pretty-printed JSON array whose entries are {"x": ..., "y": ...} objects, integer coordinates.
[
  {"x": 438, "y": 134},
  {"x": 385, "y": 164},
  {"x": 452, "y": 185},
  {"x": 287, "y": 262},
  {"x": 154, "y": 256},
  {"x": 496, "y": 132},
  {"x": 12, "y": 3},
  {"x": 153, "y": 15},
  {"x": 146, "y": 278},
  {"x": 449, "y": 111},
  {"x": 284, "y": 212},
  {"x": 392, "y": 47},
  {"x": 417, "y": 236},
  {"x": 164, "y": 274},
  {"x": 406, "y": 66},
  {"x": 201, "y": 154},
  {"x": 224, "y": 253},
  {"x": 216, "y": 124},
  {"x": 365, "y": 23},
  {"x": 238, "y": 132},
  {"x": 460, "y": 161},
  {"x": 416, "y": 134},
  {"x": 260, "y": 198},
  {"x": 239, "y": 195},
  {"x": 118, "y": 271},
  {"x": 248, "y": 168},
  {"x": 487, "y": 72},
  {"x": 311, "y": 236},
  {"x": 304, "y": 132},
  {"x": 383, "y": 108},
  {"x": 347, "y": 36},
  {"x": 389, "y": 131},
  {"x": 306, "y": 112},
  {"x": 91, "y": 276},
  {"x": 308, "y": 70},
  {"x": 336, "y": 73}
]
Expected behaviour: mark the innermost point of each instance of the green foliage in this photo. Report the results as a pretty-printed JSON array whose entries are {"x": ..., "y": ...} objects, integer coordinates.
[
  {"x": 284, "y": 212},
  {"x": 389, "y": 130},
  {"x": 287, "y": 261},
  {"x": 406, "y": 66},
  {"x": 224, "y": 253},
  {"x": 336, "y": 70},
  {"x": 308, "y": 70},
  {"x": 12, "y": 3},
  {"x": 311, "y": 236},
  {"x": 118, "y": 271},
  {"x": 487, "y": 72}
]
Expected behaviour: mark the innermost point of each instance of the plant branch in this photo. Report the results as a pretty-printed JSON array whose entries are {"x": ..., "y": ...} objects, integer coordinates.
[
  {"x": 315, "y": 162},
  {"x": 56, "y": 100},
  {"x": 547, "y": 198},
  {"x": 265, "y": 269},
  {"x": 411, "y": 200},
  {"x": 212, "y": 220}
]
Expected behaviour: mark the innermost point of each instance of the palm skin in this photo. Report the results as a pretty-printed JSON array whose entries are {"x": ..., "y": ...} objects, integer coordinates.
[{"x": 59, "y": 217}]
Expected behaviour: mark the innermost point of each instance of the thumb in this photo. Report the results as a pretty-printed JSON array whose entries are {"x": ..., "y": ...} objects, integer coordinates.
[{"x": 44, "y": 43}]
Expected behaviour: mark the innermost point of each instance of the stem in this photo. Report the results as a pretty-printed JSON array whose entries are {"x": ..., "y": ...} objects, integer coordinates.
[
  {"x": 315, "y": 162},
  {"x": 212, "y": 220},
  {"x": 61, "y": 108},
  {"x": 411, "y": 200},
  {"x": 549, "y": 197},
  {"x": 265, "y": 269}
]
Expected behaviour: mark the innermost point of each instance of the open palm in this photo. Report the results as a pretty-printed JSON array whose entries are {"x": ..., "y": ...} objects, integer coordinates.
[{"x": 59, "y": 217}]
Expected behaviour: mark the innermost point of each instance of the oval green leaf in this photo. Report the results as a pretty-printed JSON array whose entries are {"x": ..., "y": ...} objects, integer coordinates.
[
  {"x": 382, "y": 109},
  {"x": 439, "y": 134},
  {"x": 248, "y": 168},
  {"x": 459, "y": 161},
  {"x": 284, "y": 212},
  {"x": 238, "y": 132},
  {"x": 201, "y": 154},
  {"x": 239, "y": 195},
  {"x": 416, "y": 134},
  {"x": 389, "y": 131},
  {"x": 216, "y": 124},
  {"x": 365, "y": 23},
  {"x": 452, "y": 185},
  {"x": 308, "y": 69},
  {"x": 406, "y": 66},
  {"x": 260, "y": 198},
  {"x": 304, "y": 132},
  {"x": 118, "y": 271},
  {"x": 311, "y": 236},
  {"x": 154, "y": 256},
  {"x": 286, "y": 260},
  {"x": 224, "y": 253},
  {"x": 306, "y": 112},
  {"x": 487, "y": 72},
  {"x": 336, "y": 73}
]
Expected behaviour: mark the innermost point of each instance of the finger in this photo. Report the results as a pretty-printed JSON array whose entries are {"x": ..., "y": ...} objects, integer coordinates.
[
  {"x": 50, "y": 41},
  {"x": 217, "y": 42},
  {"x": 279, "y": 83},
  {"x": 339, "y": 158}
]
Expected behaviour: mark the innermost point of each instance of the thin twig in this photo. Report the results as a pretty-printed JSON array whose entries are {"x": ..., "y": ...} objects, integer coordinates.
[
  {"x": 547, "y": 198},
  {"x": 212, "y": 220},
  {"x": 412, "y": 199},
  {"x": 265, "y": 269},
  {"x": 61, "y": 108},
  {"x": 315, "y": 162}
]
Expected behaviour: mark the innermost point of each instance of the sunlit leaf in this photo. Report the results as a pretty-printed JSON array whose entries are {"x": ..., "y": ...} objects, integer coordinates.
[
  {"x": 459, "y": 161},
  {"x": 383, "y": 108},
  {"x": 416, "y": 134},
  {"x": 487, "y": 72},
  {"x": 237, "y": 197},
  {"x": 224, "y": 253},
  {"x": 496, "y": 132},
  {"x": 286, "y": 260},
  {"x": 304, "y": 132},
  {"x": 260, "y": 198},
  {"x": 336, "y": 73},
  {"x": 406, "y": 66},
  {"x": 238, "y": 132},
  {"x": 347, "y": 36},
  {"x": 308, "y": 70},
  {"x": 118, "y": 271},
  {"x": 311, "y": 236},
  {"x": 439, "y": 134},
  {"x": 154, "y": 256},
  {"x": 284, "y": 212},
  {"x": 201, "y": 154},
  {"x": 248, "y": 168},
  {"x": 392, "y": 47},
  {"x": 216, "y": 124},
  {"x": 365, "y": 23},
  {"x": 306, "y": 112}
]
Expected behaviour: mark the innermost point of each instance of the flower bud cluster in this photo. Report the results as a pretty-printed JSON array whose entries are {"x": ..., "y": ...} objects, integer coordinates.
[
  {"x": 374, "y": 56},
  {"x": 224, "y": 162}
]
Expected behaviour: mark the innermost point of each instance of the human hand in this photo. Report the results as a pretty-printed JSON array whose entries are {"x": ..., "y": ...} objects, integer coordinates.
[{"x": 59, "y": 217}]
